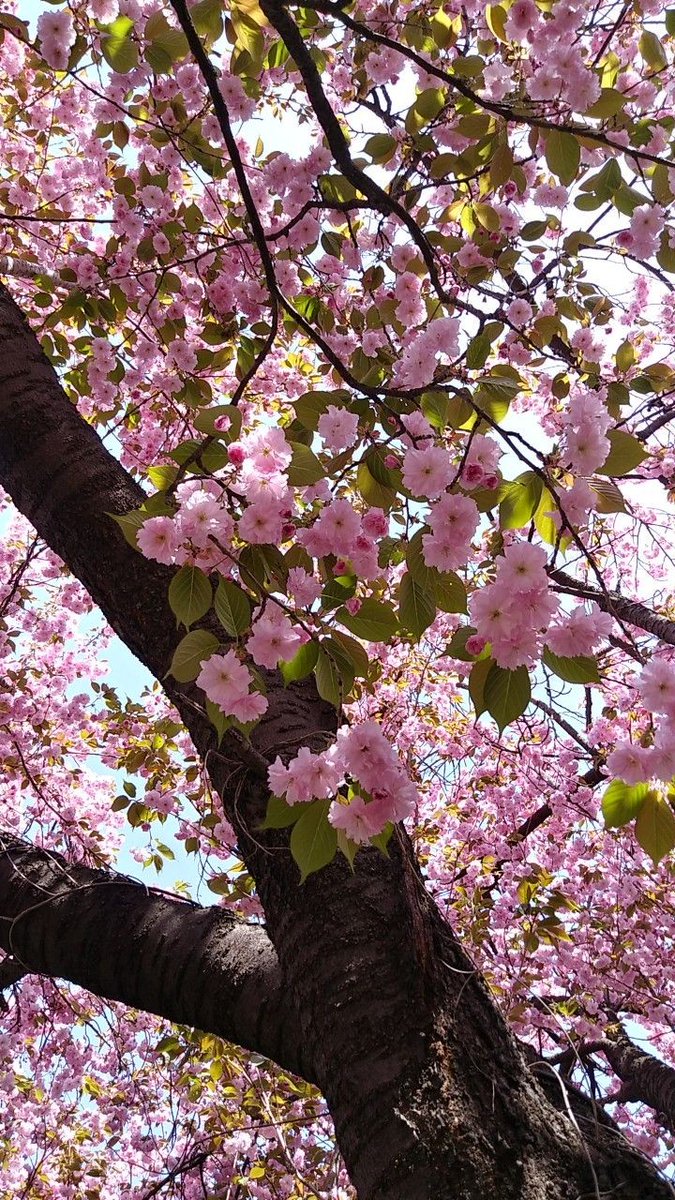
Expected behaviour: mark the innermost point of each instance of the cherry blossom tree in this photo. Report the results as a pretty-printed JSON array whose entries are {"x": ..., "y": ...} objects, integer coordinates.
[{"x": 337, "y": 383}]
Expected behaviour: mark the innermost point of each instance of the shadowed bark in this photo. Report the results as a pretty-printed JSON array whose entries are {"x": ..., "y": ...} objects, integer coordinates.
[
  {"x": 631, "y": 612},
  {"x": 643, "y": 1077},
  {"x": 125, "y": 942},
  {"x": 428, "y": 1090}
]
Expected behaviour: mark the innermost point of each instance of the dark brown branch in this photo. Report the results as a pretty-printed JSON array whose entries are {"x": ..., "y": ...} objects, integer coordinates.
[
  {"x": 508, "y": 112},
  {"x": 629, "y": 611},
  {"x": 644, "y": 1078},
  {"x": 424, "y": 1081},
  {"x": 197, "y": 966},
  {"x": 287, "y": 29}
]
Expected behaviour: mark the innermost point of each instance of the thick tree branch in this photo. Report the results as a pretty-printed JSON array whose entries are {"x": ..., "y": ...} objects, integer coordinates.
[
  {"x": 629, "y": 611},
  {"x": 644, "y": 1078},
  {"x": 197, "y": 966},
  {"x": 424, "y": 1080},
  {"x": 512, "y": 114}
]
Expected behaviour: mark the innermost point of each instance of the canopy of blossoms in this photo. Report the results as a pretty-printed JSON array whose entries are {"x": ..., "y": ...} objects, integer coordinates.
[{"x": 400, "y": 396}]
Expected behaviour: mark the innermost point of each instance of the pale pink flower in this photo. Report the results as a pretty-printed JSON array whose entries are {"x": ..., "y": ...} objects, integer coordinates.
[
  {"x": 338, "y": 427},
  {"x": 261, "y": 524},
  {"x": 427, "y": 472},
  {"x": 224, "y": 679},
  {"x": 519, "y": 312},
  {"x": 249, "y": 707},
  {"x": 375, "y": 523},
  {"x": 522, "y": 568},
  {"x": 303, "y": 587},
  {"x": 628, "y": 762},
  {"x": 656, "y": 685},
  {"x": 357, "y": 819},
  {"x": 158, "y": 538},
  {"x": 523, "y": 16},
  {"x": 273, "y": 639}
]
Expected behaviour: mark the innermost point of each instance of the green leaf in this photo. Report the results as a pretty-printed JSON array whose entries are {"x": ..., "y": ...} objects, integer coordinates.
[
  {"x": 328, "y": 679},
  {"x": 563, "y": 154},
  {"x": 621, "y": 803},
  {"x": 206, "y": 16},
  {"x": 494, "y": 396},
  {"x": 445, "y": 586},
  {"x": 117, "y": 47},
  {"x": 608, "y": 104},
  {"x": 495, "y": 16},
  {"x": 221, "y": 885},
  {"x": 347, "y": 847},
  {"x": 609, "y": 497},
  {"x": 456, "y": 647},
  {"x": 343, "y": 663},
  {"x": 130, "y": 523},
  {"x": 381, "y": 147},
  {"x": 313, "y": 840},
  {"x": 651, "y": 49},
  {"x": 190, "y": 595},
  {"x": 302, "y": 664},
  {"x": 162, "y": 477},
  {"x": 374, "y": 622},
  {"x": 449, "y": 592},
  {"x": 232, "y": 607},
  {"x": 477, "y": 352},
  {"x": 376, "y": 494},
  {"x": 169, "y": 40},
  {"x": 479, "y": 673},
  {"x": 304, "y": 468},
  {"x": 337, "y": 591},
  {"x": 417, "y": 607},
  {"x": 625, "y": 454},
  {"x": 655, "y": 827},
  {"x": 579, "y": 669},
  {"x": 506, "y": 694},
  {"x": 381, "y": 840},
  {"x": 436, "y": 407},
  {"x": 625, "y": 356},
  {"x": 217, "y": 718},
  {"x": 520, "y": 500},
  {"x": 190, "y": 653},
  {"x": 543, "y": 522},
  {"x": 352, "y": 652},
  {"x": 280, "y": 814},
  {"x": 205, "y": 421}
]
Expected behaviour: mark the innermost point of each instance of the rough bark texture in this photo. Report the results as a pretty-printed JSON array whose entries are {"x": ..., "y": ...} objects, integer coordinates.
[
  {"x": 429, "y": 1093},
  {"x": 125, "y": 942},
  {"x": 630, "y": 612},
  {"x": 644, "y": 1078}
]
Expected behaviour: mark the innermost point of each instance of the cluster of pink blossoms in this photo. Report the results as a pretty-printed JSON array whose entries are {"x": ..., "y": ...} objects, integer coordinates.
[
  {"x": 635, "y": 763},
  {"x": 453, "y": 522},
  {"x": 512, "y": 612},
  {"x": 342, "y": 531},
  {"x": 481, "y": 462},
  {"x": 642, "y": 238},
  {"x": 56, "y": 33},
  {"x": 416, "y": 365},
  {"x": 192, "y": 534},
  {"x": 364, "y": 756},
  {"x": 578, "y": 632},
  {"x": 226, "y": 681},
  {"x": 586, "y": 422}
]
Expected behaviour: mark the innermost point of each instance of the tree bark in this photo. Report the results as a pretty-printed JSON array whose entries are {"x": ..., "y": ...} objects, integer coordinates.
[
  {"x": 428, "y": 1090},
  {"x": 125, "y": 942},
  {"x": 643, "y": 1077}
]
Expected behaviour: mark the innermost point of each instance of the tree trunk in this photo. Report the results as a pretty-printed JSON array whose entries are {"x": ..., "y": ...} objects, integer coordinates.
[{"x": 430, "y": 1095}]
